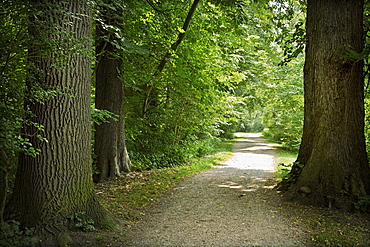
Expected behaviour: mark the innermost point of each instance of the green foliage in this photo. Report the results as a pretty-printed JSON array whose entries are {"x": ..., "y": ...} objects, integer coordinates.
[
  {"x": 283, "y": 108},
  {"x": 102, "y": 116},
  {"x": 365, "y": 55},
  {"x": 367, "y": 83},
  {"x": 251, "y": 122},
  {"x": 215, "y": 83},
  {"x": 80, "y": 221},
  {"x": 163, "y": 148},
  {"x": 13, "y": 66},
  {"x": 283, "y": 114},
  {"x": 13, "y": 235},
  {"x": 178, "y": 114},
  {"x": 289, "y": 174},
  {"x": 283, "y": 170},
  {"x": 140, "y": 188},
  {"x": 289, "y": 28},
  {"x": 282, "y": 158},
  {"x": 363, "y": 204},
  {"x": 367, "y": 124}
]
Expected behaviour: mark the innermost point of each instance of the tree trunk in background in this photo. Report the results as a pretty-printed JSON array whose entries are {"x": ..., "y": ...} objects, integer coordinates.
[
  {"x": 110, "y": 148},
  {"x": 58, "y": 182},
  {"x": 333, "y": 144}
]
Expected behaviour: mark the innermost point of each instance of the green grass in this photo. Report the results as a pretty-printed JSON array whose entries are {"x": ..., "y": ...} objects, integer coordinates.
[
  {"x": 125, "y": 196},
  {"x": 283, "y": 157}
]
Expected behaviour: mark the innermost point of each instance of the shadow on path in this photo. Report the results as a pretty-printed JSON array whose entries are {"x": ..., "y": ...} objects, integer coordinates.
[{"x": 230, "y": 205}]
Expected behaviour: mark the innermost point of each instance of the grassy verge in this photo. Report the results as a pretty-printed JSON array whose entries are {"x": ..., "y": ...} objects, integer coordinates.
[
  {"x": 125, "y": 196},
  {"x": 283, "y": 161},
  {"x": 327, "y": 227}
]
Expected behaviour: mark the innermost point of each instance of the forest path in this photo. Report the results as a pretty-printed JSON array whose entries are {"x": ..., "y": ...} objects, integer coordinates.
[{"x": 230, "y": 205}]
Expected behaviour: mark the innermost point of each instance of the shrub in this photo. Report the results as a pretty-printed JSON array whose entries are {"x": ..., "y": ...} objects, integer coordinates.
[{"x": 13, "y": 235}]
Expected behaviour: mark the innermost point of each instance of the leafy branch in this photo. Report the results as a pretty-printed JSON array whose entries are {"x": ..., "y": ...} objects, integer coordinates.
[{"x": 169, "y": 53}]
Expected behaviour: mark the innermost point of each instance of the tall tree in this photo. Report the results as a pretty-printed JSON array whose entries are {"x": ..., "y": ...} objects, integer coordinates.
[
  {"x": 14, "y": 40},
  {"x": 58, "y": 182},
  {"x": 110, "y": 145},
  {"x": 332, "y": 152}
]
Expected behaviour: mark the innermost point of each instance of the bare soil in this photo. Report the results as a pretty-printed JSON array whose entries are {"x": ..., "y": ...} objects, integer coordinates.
[{"x": 233, "y": 204}]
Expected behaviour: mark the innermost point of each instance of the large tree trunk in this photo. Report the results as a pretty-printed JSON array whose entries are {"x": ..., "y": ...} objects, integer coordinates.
[
  {"x": 110, "y": 147},
  {"x": 58, "y": 182},
  {"x": 333, "y": 144}
]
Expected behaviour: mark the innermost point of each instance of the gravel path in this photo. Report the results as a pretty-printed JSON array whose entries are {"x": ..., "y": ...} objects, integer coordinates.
[{"x": 229, "y": 205}]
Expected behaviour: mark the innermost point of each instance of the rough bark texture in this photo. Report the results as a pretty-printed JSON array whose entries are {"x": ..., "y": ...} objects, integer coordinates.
[
  {"x": 110, "y": 148},
  {"x": 58, "y": 182},
  {"x": 333, "y": 144}
]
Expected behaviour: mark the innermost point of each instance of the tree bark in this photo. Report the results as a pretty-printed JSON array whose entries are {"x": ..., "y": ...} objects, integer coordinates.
[
  {"x": 333, "y": 149},
  {"x": 58, "y": 182},
  {"x": 110, "y": 146}
]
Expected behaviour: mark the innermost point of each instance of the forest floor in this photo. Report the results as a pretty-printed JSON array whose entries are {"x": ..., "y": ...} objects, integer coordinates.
[{"x": 233, "y": 204}]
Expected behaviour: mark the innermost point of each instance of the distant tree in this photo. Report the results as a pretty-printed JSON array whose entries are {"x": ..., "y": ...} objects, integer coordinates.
[
  {"x": 332, "y": 160},
  {"x": 13, "y": 43},
  {"x": 109, "y": 142},
  {"x": 57, "y": 182}
]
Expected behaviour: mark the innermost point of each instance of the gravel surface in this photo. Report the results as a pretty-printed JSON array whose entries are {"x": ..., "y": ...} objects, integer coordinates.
[{"x": 233, "y": 204}]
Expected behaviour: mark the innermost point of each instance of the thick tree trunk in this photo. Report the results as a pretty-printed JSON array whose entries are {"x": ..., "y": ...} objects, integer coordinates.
[
  {"x": 58, "y": 182},
  {"x": 333, "y": 144},
  {"x": 110, "y": 147}
]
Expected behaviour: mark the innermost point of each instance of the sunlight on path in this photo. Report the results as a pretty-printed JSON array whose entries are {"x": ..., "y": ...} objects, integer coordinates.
[
  {"x": 230, "y": 205},
  {"x": 252, "y": 153}
]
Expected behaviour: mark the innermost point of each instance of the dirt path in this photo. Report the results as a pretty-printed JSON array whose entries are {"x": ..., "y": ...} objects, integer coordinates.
[{"x": 230, "y": 205}]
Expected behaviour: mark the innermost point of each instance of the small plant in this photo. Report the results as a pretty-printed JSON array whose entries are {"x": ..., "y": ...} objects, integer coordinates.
[
  {"x": 289, "y": 173},
  {"x": 12, "y": 235},
  {"x": 294, "y": 173},
  {"x": 81, "y": 222},
  {"x": 283, "y": 170},
  {"x": 363, "y": 204}
]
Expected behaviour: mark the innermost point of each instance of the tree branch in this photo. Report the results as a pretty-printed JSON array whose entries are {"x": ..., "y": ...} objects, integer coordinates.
[
  {"x": 180, "y": 38},
  {"x": 174, "y": 47}
]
